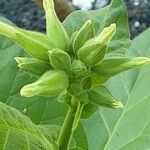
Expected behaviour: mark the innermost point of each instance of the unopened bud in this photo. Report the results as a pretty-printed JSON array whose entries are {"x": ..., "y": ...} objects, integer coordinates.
[
  {"x": 114, "y": 65},
  {"x": 59, "y": 59},
  {"x": 93, "y": 51},
  {"x": 78, "y": 68},
  {"x": 34, "y": 43},
  {"x": 55, "y": 29},
  {"x": 85, "y": 33},
  {"x": 51, "y": 83}
]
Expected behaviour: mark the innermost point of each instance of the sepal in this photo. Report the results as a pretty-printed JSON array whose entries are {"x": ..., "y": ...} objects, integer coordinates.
[
  {"x": 101, "y": 96},
  {"x": 33, "y": 66}
]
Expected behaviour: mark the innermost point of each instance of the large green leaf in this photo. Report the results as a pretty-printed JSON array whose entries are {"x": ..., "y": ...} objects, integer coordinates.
[
  {"x": 18, "y": 132},
  {"x": 128, "y": 128},
  {"x": 115, "y": 12}
]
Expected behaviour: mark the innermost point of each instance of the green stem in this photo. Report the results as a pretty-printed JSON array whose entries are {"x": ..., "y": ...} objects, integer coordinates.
[{"x": 66, "y": 131}]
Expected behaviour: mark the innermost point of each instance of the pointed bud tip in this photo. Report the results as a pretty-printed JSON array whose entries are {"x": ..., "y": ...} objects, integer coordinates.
[
  {"x": 18, "y": 59},
  {"x": 112, "y": 28},
  {"x": 113, "y": 25},
  {"x": 26, "y": 91},
  {"x": 146, "y": 60},
  {"x": 89, "y": 22},
  {"x": 117, "y": 105}
]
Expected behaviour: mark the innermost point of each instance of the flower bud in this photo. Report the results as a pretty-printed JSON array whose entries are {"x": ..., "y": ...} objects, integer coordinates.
[
  {"x": 85, "y": 33},
  {"x": 93, "y": 51},
  {"x": 51, "y": 83},
  {"x": 78, "y": 68},
  {"x": 33, "y": 66},
  {"x": 59, "y": 59},
  {"x": 55, "y": 29},
  {"x": 101, "y": 96},
  {"x": 34, "y": 43},
  {"x": 114, "y": 65}
]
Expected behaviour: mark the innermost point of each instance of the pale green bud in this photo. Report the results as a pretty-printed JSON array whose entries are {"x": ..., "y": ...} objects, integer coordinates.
[
  {"x": 35, "y": 43},
  {"x": 114, "y": 65},
  {"x": 51, "y": 83},
  {"x": 55, "y": 29},
  {"x": 93, "y": 51},
  {"x": 101, "y": 96},
  {"x": 78, "y": 68},
  {"x": 85, "y": 33},
  {"x": 33, "y": 66},
  {"x": 59, "y": 59}
]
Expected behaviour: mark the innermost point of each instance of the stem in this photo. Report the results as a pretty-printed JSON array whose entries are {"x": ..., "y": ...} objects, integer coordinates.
[{"x": 66, "y": 131}]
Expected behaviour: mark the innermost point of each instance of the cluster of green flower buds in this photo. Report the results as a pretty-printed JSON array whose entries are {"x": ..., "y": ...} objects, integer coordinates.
[{"x": 73, "y": 68}]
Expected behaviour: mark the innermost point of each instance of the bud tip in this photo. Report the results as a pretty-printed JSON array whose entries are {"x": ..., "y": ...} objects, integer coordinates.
[{"x": 118, "y": 104}]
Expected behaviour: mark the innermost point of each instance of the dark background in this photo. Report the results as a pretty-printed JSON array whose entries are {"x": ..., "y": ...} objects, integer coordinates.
[{"x": 26, "y": 14}]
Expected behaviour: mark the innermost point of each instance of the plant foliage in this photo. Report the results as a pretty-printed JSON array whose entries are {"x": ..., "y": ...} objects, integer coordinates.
[{"x": 76, "y": 66}]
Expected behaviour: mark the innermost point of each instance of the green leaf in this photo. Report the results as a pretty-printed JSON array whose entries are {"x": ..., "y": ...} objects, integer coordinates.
[
  {"x": 115, "y": 12},
  {"x": 128, "y": 128},
  {"x": 18, "y": 132}
]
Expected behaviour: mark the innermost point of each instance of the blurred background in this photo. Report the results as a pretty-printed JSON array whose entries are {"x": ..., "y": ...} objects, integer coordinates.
[{"x": 29, "y": 13}]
